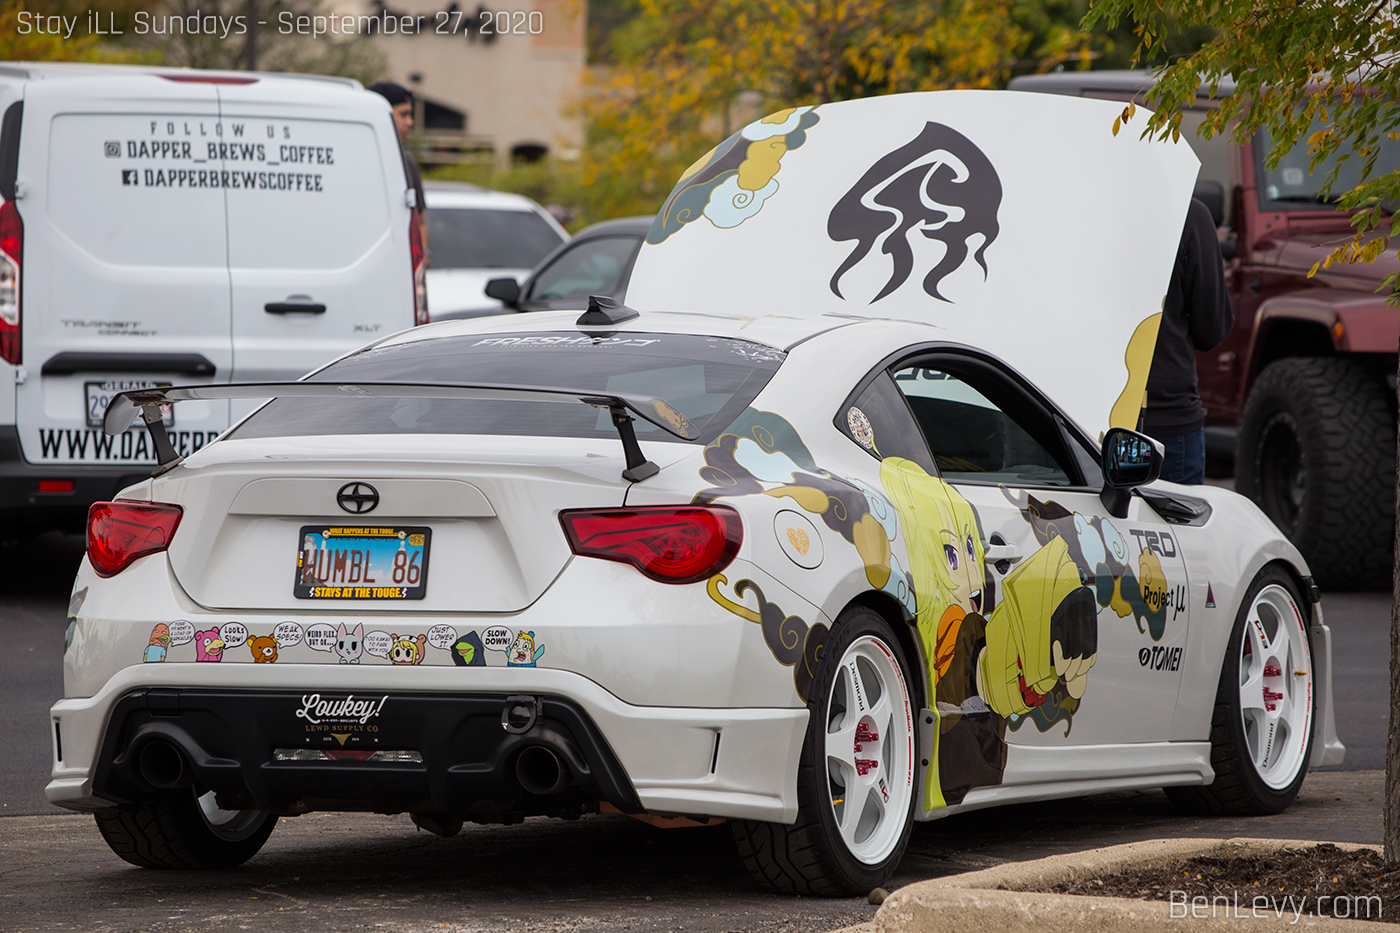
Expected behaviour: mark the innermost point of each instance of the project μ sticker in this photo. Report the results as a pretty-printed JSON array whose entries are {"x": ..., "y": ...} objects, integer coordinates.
[{"x": 798, "y": 538}]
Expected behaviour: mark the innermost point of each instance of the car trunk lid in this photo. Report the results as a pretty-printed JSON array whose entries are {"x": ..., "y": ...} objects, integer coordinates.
[{"x": 491, "y": 505}]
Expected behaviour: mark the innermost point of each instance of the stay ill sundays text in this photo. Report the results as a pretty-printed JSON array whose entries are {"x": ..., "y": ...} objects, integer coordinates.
[{"x": 143, "y": 23}]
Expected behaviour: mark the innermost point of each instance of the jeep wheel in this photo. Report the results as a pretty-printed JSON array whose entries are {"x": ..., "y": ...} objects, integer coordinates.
[
  {"x": 180, "y": 829},
  {"x": 1317, "y": 453},
  {"x": 855, "y": 781}
]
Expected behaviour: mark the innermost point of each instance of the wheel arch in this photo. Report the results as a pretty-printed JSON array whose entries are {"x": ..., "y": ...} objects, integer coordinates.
[
  {"x": 903, "y": 627},
  {"x": 1278, "y": 337}
]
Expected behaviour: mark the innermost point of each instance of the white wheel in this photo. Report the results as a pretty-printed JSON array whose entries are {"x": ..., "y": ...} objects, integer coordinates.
[
  {"x": 1276, "y": 687},
  {"x": 855, "y": 780},
  {"x": 1261, "y": 730},
  {"x": 869, "y": 750}
]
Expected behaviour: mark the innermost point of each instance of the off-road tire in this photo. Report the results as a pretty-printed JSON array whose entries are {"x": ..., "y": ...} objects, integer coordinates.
[
  {"x": 169, "y": 831},
  {"x": 1333, "y": 415},
  {"x": 1237, "y": 789},
  {"x": 808, "y": 857}
]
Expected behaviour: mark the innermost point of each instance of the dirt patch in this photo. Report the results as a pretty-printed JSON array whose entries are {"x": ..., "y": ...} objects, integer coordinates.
[{"x": 1320, "y": 880}]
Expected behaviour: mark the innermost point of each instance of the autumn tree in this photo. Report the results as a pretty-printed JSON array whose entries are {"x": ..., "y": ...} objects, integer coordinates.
[
  {"x": 82, "y": 46},
  {"x": 679, "y": 75},
  {"x": 269, "y": 47},
  {"x": 1326, "y": 74}
]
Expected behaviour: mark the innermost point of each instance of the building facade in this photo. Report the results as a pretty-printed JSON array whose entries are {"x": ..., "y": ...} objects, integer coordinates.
[{"x": 494, "y": 81}]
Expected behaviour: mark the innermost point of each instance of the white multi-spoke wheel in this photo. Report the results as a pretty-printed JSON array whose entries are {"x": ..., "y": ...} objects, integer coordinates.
[
  {"x": 856, "y": 780},
  {"x": 1261, "y": 732},
  {"x": 185, "y": 829}
]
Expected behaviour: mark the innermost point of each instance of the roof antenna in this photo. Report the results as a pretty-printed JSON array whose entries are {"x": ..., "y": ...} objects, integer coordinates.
[{"x": 605, "y": 310}]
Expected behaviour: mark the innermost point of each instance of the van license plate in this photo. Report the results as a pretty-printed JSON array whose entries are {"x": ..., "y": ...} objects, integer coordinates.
[
  {"x": 339, "y": 562},
  {"x": 99, "y": 396}
]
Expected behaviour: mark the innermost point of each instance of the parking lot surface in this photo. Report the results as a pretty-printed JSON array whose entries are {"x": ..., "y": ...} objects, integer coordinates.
[{"x": 366, "y": 871}]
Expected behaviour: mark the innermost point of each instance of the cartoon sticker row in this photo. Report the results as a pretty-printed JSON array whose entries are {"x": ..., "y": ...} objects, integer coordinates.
[
  {"x": 346, "y": 645},
  {"x": 991, "y": 664}
]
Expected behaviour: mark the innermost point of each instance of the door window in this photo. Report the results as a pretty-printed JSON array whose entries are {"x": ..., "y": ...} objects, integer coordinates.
[
  {"x": 983, "y": 431},
  {"x": 596, "y": 267}
]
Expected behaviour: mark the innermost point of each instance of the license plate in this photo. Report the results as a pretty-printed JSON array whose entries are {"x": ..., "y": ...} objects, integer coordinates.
[
  {"x": 99, "y": 396},
  {"x": 339, "y": 562}
]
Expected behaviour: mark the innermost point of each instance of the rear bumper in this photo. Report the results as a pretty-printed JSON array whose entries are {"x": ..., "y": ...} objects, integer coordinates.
[
  {"x": 738, "y": 763},
  {"x": 229, "y": 739},
  {"x": 23, "y": 504}
]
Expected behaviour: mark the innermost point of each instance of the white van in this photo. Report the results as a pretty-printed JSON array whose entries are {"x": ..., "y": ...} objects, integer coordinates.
[{"x": 176, "y": 226}]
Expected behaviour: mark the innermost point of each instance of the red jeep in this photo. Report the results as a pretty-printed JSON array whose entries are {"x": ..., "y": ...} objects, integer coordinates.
[{"x": 1301, "y": 395}]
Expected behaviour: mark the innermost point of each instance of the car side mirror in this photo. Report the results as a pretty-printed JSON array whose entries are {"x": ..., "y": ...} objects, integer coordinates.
[
  {"x": 506, "y": 290},
  {"x": 1129, "y": 459}
]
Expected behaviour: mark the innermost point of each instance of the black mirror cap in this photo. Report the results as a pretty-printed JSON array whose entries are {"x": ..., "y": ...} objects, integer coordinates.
[
  {"x": 506, "y": 290},
  {"x": 1211, "y": 193},
  {"x": 1128, "y": 459}
]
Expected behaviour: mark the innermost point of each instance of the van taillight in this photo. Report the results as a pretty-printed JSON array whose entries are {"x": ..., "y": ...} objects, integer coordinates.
[
  {"x": 672, "y": 544},
  {"x": 420, "y": 280},
  {"x": 122, "y": 531},
  {"x": 11, "y": 260}
]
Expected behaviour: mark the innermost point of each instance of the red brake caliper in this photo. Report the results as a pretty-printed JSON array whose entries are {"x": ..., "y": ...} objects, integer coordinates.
[
  {"x": 865, "y": 734},
  {"x": 1271, "y": 671}
]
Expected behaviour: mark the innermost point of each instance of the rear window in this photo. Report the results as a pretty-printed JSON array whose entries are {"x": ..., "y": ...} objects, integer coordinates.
[
  {"x": 467, "y": 238},
  {"x": 710, "y": 380}
]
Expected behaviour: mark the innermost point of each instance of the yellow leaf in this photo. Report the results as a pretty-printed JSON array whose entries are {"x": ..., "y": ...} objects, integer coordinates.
[{"x": 1117, "y": 122}]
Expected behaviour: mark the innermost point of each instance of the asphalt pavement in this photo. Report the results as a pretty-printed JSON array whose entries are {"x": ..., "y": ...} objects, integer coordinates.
[{"x": 342, "y": 871}]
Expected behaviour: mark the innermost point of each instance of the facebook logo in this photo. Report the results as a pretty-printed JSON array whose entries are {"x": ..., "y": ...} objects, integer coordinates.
[{"x": 129, "y": 177}]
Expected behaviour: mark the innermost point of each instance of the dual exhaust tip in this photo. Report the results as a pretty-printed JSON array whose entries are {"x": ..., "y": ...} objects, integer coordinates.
[
  {"x": 163, "y": 766},
  {"x": 539, "y": 770}
]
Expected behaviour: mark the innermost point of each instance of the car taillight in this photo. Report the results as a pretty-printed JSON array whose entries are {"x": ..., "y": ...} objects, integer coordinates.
[
  {"x": 672, "y": 544},
  {"x": 11, "y": 259},
  {"x": 420, "y": 279},
  {"x": 120, "y": 532}
]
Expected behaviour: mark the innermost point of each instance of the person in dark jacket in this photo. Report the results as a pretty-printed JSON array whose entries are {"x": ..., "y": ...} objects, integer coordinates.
[
  {"x": 400, "y": 101},
  {"x": 1195, "y": 316}
]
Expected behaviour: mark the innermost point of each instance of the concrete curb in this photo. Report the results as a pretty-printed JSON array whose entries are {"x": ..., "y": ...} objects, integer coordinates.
[{"x": 1003, "y": 898}]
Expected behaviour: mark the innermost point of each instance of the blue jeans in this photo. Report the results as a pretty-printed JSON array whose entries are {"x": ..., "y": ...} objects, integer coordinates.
[{"x": 1186, "y": 458}]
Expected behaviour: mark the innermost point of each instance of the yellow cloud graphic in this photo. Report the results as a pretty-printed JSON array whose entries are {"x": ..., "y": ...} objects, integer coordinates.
[{"x": 761, "y": 163}]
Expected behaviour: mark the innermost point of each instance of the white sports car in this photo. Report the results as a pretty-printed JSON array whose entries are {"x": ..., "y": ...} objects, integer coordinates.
[{"x": 842, "y": 539}]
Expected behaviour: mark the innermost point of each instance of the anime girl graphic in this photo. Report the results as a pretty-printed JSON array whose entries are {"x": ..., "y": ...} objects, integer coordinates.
[
  {"x": 1029, "y": 653},
  {"x": 948, "y": 561}
]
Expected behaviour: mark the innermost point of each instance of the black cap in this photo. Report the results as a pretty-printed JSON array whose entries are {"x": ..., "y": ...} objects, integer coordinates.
[{"x": 395, "y": 94}]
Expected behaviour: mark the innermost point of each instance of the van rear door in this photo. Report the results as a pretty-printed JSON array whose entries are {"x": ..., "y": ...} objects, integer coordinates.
[
  {"x": 318, "y": 227},
  {"x": 125, "y": 278}
]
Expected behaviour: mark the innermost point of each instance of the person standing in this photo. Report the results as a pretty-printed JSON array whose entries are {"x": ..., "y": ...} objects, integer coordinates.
[
  {"x": 400, "y": 101},
  {"x": 1195, "y": 316}
]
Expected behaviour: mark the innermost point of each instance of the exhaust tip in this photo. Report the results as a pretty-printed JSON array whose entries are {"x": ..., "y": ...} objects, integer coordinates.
[
  {"x": 541, "y": 772},
  {"x": 163, "y": 766}
]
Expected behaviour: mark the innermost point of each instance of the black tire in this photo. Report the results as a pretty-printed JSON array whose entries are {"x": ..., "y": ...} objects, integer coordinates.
[
  {"x": 1316, "y": 452},
  {"x": 809, "y": 857},
  {"x": 1238, "y": 788},
  {"x": 171, "y": 831}
]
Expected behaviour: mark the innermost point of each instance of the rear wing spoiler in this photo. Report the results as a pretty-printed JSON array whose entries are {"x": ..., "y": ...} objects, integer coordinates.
[{"x": 147, "y": 403}]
